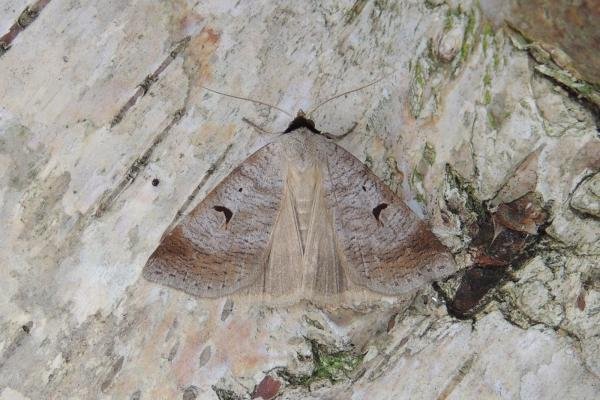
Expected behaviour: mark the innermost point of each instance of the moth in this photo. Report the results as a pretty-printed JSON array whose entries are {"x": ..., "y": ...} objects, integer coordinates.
[{"x": 299, "y": 218}]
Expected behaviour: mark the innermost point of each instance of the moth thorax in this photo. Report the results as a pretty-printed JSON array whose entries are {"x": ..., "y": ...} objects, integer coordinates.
[
  {"x": 304, "y": 185},
  {"x": 300, "y": 148}
]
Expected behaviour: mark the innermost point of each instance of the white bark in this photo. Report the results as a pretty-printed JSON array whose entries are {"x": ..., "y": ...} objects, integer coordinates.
[{"x": 80, "y": 215}]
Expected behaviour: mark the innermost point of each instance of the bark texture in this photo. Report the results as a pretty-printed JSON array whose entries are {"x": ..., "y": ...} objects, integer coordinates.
[{"x": 107, "y": 137}]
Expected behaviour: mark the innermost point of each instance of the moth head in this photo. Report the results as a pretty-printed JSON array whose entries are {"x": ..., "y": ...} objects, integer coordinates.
[{"x": 301, "y": 121}]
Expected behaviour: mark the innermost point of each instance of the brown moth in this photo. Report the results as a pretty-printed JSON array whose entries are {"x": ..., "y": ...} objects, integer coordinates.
[{"x": 299, "y": 218}]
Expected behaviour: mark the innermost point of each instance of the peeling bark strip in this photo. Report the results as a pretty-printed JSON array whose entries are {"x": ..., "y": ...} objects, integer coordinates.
[
  {"x": 143, "y": 87},
  {"x": 133, "y": 171},
  {"x": 355, "y": 11},
  {"x": 503, "y": 233},
  {"x": 581, "y": 300},
  {"x": 29, "y": 14},
  {"x": 475, "y": 284},
  {"x": 227, "y": 310},
  {"x": 266, "y": 389}
]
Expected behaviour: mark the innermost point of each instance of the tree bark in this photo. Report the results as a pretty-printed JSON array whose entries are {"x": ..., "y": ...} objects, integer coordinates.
[{"x": 108, "y": 136}]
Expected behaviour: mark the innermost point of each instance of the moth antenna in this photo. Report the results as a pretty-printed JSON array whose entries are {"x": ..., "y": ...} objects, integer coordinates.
[
  {"x": 345, "y": 93},
  {"x": 248, "y": 99},
  {"x": 256, "y": 126}
]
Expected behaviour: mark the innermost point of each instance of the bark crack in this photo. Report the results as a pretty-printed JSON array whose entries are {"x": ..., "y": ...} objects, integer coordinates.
[
  {"x": 26, "y": 18},
  {"x": 149, "y": 80},
  {"x": 136, "y": 167},
  {"x": 17, "y": 341},
  {"x": 457, "y": 378}
]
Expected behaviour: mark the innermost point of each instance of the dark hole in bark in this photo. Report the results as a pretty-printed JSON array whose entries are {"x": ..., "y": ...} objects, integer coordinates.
[{"x": 27, "y": 327}]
